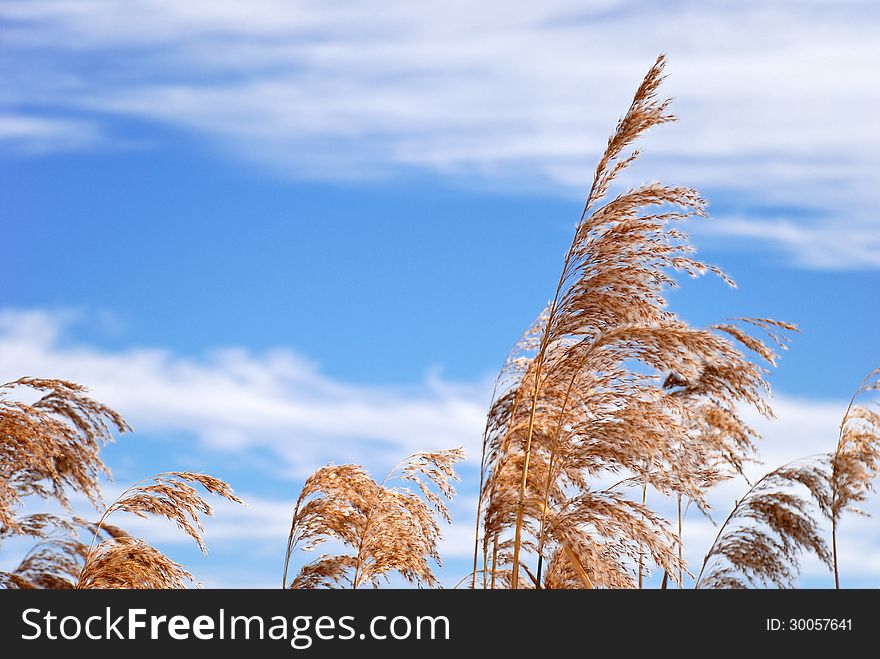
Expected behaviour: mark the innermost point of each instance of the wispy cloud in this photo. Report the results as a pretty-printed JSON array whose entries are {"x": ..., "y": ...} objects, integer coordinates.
[
  {"x": 845, "y": 245},
  {"x": 33, "y": 134},
  {"x": 236, "y": 401},
  {"x": 777, "y": 97}
]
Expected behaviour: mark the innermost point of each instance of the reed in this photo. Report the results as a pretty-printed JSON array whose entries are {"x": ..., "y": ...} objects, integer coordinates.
[
  {"x": 122, "y": 561},
  {"x": 767, "y": 530},
  {"x": 385, "y": 530},
  {"x": 56, "y": 559},
  {"x": 51, "y": 448}
]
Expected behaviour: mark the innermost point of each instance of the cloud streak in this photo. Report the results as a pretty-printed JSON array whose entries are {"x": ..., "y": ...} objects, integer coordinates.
[
  {"x": 776, "y": 97},
  {"x": 235, "y": 401},
  {"x": 34, "y": 135}
]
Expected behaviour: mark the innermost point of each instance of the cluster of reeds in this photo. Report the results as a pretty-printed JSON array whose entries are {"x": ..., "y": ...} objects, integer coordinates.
[
  {"x": 50, "y": 450},
  {"x": 608, "y": 402},
  {"x": 610, "y": 392},
  {"x": 611, "y": 384},
  {"x": 609, "y": 395}
]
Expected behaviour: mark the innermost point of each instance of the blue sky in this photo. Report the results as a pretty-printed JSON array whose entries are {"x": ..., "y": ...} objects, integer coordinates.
[{"x": 277, "y": 234}]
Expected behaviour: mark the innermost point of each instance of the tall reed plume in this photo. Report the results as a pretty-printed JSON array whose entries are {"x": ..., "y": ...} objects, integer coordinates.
[
  {"x": 385, "y": 530},
  {"x": 582, "y": 395}
]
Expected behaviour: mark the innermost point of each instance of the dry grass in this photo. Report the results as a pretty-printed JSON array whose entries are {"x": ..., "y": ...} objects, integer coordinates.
[
  {"x": 385, "y": 530},
  {"x": 171, "y": 495},
  {"x": 131, "y": 563}
]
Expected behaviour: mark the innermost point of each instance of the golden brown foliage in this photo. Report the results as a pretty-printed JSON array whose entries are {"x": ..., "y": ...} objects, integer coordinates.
[
  {"x": 51, "y": 449},
  {"x": 386, "y": 530},
  {"x": 170, "y": 495}
]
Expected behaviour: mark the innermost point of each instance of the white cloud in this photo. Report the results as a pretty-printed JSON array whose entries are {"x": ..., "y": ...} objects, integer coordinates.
[
  {"x": 848, "y": 244},
  {"x": 234, "y": 400},
  {"x": 776, "y": 98},
  {"x": 34, "y": 134}
]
